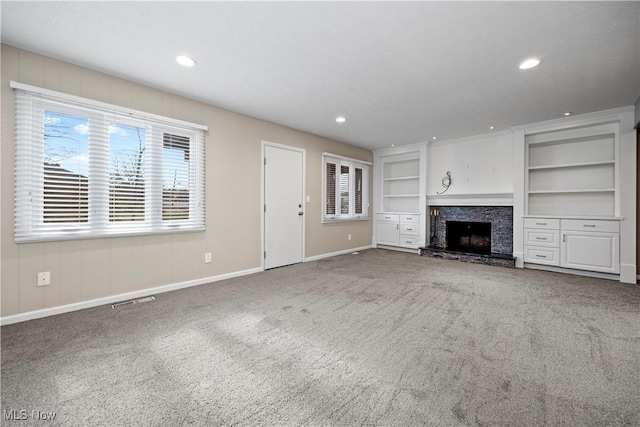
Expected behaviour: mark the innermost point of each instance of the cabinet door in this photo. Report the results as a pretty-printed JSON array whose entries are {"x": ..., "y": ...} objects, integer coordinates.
[
  {"x": 388, "y": 233},
  {"x": 591, "y": 251}
]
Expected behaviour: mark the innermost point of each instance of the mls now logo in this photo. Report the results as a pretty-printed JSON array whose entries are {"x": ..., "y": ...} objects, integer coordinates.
[{"x": 23, "y": 414}]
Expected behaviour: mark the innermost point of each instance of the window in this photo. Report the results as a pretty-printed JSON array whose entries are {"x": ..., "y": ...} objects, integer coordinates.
[
  {"x": 126, "y": 173},
  {"x": 87, "y": 169},
  {"x": 175, "y": 177},
  {"x": 345, "y": 189}
]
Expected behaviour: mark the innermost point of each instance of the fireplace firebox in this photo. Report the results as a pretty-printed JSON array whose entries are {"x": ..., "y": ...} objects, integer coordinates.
[{"x": 474, "y": 237}]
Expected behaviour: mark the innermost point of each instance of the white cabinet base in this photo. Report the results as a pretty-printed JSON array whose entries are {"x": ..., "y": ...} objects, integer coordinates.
[
  {"x": 398, "y": 229},
  {"x": 573, "y": 244}
]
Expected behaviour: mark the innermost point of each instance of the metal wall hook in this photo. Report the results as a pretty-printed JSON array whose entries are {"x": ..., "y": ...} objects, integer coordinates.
[{"x": 446, "y": 182}]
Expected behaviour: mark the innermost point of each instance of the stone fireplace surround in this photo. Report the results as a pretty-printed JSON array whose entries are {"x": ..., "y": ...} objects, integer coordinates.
[{"x": 501, "y": 219}]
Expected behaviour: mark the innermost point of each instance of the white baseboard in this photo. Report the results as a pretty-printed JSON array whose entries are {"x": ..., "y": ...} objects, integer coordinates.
[
  {"x": 573, "y": 271},
  {"x": 329, "y": 255},
  {"x": 399, "y": 249},
  {"x": 37, "y": 314}
]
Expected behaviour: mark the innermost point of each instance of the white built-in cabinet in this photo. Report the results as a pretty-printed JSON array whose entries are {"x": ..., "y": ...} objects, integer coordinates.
[
  {"x": 582, "y": 244},
  {"x": 399, "y": 197},
  {"x": 400, "y": 230},
  {"x": 572, "y": 199},
  {"x": 572, "y": 173}
]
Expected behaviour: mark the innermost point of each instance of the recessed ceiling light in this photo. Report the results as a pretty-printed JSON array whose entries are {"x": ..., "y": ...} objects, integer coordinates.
[
  {"x": 185, "y": 60},
  {"x": 341, "y": 119},
  {"x": 568, "y": 113},
  {"x": 491, "y": 128},
  {"x": 529, "y": 63},
  {"x": 393, "y": 145},
  {"x": 434, "y": 138}
]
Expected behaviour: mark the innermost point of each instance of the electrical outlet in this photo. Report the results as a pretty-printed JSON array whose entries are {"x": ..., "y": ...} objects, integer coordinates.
[
  {"x": 349, "y": 236},
  {"x": 207, "y": 257},
  {"x": 44, "y": 278}
]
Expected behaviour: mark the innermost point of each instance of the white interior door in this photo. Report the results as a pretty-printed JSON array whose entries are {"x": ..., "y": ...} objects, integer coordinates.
[{"x": 283, "y": 213}]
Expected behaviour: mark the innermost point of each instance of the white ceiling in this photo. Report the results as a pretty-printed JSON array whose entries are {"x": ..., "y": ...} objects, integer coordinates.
[{"x": 401, "y": 72}]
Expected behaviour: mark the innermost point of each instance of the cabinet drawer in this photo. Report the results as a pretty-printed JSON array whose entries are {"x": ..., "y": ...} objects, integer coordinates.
[
  {"x": 410, "y": 218},
  {"x": 591, "y": 225},
  {"x": 542, "y": 255},
  {"x": 408, "y": 228},
  {"x": 388, "y": 217},
  {"x": 542, "y": 237},
  {"x": 409, "y": 241},
  {"x": 546, "y": 223}
]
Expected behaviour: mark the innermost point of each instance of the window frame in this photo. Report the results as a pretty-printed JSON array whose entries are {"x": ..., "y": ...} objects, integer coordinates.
[
  {"x": 352, "y": 164},
  {"x": 30, "y": 225}
]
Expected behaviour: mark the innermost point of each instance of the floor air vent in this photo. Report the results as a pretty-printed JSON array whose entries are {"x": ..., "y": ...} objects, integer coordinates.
[{"x": 133, "y": 301}]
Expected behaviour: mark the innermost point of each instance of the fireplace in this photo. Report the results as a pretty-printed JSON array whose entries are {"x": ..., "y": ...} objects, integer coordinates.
[
  {"x": 499, "y": 220},
  {"x": 482, "y": 234},
  {"x": 465, "y": 236}
]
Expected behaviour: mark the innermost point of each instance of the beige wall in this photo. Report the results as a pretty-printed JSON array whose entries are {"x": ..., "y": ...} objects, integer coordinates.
[{"x": 82, "y": 270}]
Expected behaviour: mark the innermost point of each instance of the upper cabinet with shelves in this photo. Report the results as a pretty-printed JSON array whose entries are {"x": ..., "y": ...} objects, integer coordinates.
[
  {"x": 572, "y": 173},
  {"x": 400, "y": 184}
]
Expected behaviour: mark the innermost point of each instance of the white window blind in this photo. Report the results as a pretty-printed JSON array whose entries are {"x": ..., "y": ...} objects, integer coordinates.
[
  {"x": 86, "y": 169},
  {"x": 345, "y": 189}
]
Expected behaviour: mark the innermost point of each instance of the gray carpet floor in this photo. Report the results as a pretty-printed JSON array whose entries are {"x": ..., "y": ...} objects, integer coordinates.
[{"x": 378, "y": 338}]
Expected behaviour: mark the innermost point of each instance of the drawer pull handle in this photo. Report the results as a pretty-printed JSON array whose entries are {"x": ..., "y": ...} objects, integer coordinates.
[
  {"x": 540, "y": 256},
  {"x": 541, "y": 238},
  {"x": 408, "y": 241},
  {"x": 541, "y": 223},
  {"x": 589, "y": 225}
]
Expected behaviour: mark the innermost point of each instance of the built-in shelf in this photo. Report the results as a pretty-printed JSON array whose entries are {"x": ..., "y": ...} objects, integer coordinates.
[
  {"x": 588, "y": 190},
  {"x": 401, "y": 184},
  {"x": 572, "y": 165},
  {"x": 571, "y": 176}
]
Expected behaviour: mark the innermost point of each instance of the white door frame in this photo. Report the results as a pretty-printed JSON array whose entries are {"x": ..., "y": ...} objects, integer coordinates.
[{"x": 262, "y": 187}]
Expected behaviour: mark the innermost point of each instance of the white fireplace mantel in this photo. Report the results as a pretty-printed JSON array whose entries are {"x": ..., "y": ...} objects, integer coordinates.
[{"x": 476, "y": 199}]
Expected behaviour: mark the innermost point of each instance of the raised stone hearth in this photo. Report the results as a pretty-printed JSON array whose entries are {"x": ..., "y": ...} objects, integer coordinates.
[{"x": 492, "y": 259}]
